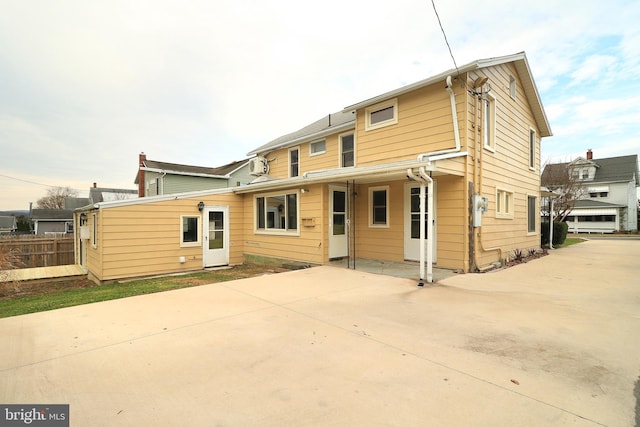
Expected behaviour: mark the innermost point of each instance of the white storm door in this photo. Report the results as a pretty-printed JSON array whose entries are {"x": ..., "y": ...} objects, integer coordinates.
[
  {"x": 216, "y": 236},
  {"x": 338, "y": 243},
  {"x": 412, "y": 222}
]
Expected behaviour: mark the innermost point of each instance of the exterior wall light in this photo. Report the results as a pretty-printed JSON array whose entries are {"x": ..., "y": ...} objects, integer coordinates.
[{"x": 200, "y": 206}]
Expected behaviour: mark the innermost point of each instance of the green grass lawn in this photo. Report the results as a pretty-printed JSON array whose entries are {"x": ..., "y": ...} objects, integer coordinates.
[
  {"x": 18, "y": 305},
  {"x": 571, "y": 241}
]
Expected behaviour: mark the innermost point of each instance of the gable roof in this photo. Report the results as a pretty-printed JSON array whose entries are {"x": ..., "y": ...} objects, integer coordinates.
[
  {"x": 52, "y": 214},
  {"x": 331, "y": 123},
  {"x": 345, "y": 118},
  {"x": 609, "y": 169},
  {"x": 8, "y": 223}
]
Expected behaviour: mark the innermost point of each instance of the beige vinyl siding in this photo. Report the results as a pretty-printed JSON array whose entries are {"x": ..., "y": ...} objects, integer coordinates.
[
  {"x": 452, "y": 223},
  {"x": 94, "y": 254},
  {"x": 279, "y": 159},
  {"x": 508, "y": 168},
  {"x": 308, "y": 246},
  {"x": 144, "y": 239},
  {"x": 425, "y": 124}
]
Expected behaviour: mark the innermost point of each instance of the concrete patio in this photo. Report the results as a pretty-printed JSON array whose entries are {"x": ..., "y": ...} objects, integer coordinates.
[{"x": 550, "y": 342}]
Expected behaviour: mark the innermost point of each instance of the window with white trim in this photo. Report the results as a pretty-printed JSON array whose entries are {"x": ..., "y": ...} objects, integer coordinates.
[
  {"x": 489, "y": 121},
  {"x": 381, "y": 115},
  {"x": 189, "y": 230},
  {"x": 504, "y": 203},
  {"x": 317, "y": 147},
  {"x": 379, "y": 206},
  {"x": 347, "y": 150},
  {"x": 532, "y": 149},
  {"x": 512, "y": 87},
  {"x": 277, "y": 212},
  {"x": 294, "y": 161},
  {"x": 532, "y": 214}
]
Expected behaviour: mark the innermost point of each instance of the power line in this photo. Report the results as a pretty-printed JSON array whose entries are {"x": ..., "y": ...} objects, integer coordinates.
[
  {"x": 445, "y": 36},
  {"x": 33, "y": 182}
]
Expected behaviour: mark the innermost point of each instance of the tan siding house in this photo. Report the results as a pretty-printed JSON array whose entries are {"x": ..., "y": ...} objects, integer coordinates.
[{"x": 445, "y": 171}]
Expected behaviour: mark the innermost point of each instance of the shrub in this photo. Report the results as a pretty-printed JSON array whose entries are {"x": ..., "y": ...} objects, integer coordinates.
[{"x": 560, "y": 230}]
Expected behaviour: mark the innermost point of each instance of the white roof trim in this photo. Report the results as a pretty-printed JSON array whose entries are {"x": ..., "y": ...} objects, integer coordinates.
[{"x": 172, "y": 172}]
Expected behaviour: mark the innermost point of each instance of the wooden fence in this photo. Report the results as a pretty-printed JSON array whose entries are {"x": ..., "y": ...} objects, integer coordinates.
[{"x": 38, "y": 251}]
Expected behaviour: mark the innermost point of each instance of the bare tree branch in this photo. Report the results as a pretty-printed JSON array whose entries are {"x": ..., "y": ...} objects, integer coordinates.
[{"x": 55, "y": 197}]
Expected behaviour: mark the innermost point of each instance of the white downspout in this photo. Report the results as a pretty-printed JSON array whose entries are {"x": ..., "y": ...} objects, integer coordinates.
[
  {"x": 430, "y": 242},
  {"x": 551, "y": 224}
]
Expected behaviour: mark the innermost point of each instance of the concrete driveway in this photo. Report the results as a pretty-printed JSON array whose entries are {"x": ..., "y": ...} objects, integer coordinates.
[{"x": 552, "y": 342}]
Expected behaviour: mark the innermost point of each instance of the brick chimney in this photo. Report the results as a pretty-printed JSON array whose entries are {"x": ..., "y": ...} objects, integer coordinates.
[
  {"x": 589, "y": 154},
  {"x": 141, "y": 160}
]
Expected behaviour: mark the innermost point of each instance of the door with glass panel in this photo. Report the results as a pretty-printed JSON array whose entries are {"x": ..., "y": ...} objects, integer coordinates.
[
  {"x": 338, "y": 221},
  {"x": 216, "y": 236},
  {"x": 412, "y": 222}
]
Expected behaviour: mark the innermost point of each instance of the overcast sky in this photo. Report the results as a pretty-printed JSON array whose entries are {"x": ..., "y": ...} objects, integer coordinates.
[{"x": 85, "y": 86}]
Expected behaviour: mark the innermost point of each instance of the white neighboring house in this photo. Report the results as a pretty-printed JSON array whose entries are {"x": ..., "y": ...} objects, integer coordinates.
[{"x": 609, "y": 202}]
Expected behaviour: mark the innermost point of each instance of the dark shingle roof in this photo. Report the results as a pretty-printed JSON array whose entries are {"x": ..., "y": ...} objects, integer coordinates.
[
  {"x": 610, "y": 169},
  {"x": 53, "y": 214},
  {"x": 325, "y": 124},
  {"x": 7, "y": 222}
]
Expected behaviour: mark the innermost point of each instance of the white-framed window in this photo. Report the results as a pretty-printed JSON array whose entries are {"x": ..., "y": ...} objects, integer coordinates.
[
  {"x": 533, "y": 213},
  {"x": 189, "y": 230},
  {"x": 512, "y": 87},
  {"x": 294, "y": 161},
  {"x": 504, "y": 203},
  {"x": 489, "y": 122},
  {"x": 94, "y": 231},
  {"x": 317, "y": 147},
  {"x": 68, "y": 227},
  {"x": 379, "y": 206},
  {"x": 277, "y": 213},
  {"x": 347, "y": 150},
  {"x": 532, "y": 149},
  {"x": 381, "y": 115}
]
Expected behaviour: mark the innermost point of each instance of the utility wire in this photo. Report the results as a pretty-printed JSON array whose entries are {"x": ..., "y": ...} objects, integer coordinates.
[
  {"x": 445, "y": 36},
  {"x": 34, "y": 183}
]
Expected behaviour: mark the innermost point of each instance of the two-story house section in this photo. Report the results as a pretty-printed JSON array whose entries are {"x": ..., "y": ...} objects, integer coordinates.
[
  {"x": 608, "y": 200},
  {"x": 156, "y": 178},
  {"x": 350, "y": 184},
  {"x": 444, "y": 171}
]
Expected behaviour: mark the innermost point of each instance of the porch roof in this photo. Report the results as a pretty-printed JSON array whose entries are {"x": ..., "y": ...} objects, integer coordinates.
[{"x": 437, "y": 165}]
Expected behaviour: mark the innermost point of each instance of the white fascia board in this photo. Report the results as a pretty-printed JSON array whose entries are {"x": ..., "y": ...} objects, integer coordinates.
[
  {"x": 340, "y": 174},
  {"x": 153, "y": 199},
  {"x": 310, "y": 137},
  {"x": 237, "y": 169},
  {"x": 172, "y": 172}
]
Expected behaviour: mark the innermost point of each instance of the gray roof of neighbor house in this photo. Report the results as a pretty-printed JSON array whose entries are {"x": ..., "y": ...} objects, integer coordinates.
[
  {"x": 52, "y": 214},
  {"x": 8, "y": 223},
  {"x": 322, "y": 127},
  {"x": 220, "y": 171},
  {"x": 610, "y": 169},
  {"x": 72, "y": 203},
  {"x": 588, "y": 203}
]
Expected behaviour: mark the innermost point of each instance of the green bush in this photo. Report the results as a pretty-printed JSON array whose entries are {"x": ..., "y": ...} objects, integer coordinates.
[{"x": 560, "y": 230}]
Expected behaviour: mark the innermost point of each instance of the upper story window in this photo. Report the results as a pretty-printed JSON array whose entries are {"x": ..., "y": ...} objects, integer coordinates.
[
  {"x": 294, "y": 161},
  {"x": 512, "y": 87},
  {"x": 347, "y": 150},
  {"x": 489, "y": 122},
  {"x": 381, "y": 115},
  {"x": 317, "y": 147},
  {"x": 532, "y": 148}
]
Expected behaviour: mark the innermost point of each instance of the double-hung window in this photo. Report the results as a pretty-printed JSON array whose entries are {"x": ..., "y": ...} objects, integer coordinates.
[
  {"x": 379, "y": 206},
  {"x": 277, "y": 212},
  {"x": 347, "y": 150},
  {"x": 294, "y": 162}
]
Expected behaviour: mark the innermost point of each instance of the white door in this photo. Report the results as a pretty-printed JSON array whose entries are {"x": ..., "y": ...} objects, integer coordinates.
[
  {"x": 216, "y": 236},
  {"x": 412, "y": 222},
  {"x": 338, "y": 221}
]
